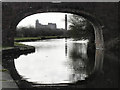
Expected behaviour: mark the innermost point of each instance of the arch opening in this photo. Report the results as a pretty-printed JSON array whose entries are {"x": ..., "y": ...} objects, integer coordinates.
[{"x": 95, "y": 25}]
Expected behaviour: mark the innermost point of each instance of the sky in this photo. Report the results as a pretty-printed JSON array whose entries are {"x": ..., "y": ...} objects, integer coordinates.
[{"x": 45, "y": 18}]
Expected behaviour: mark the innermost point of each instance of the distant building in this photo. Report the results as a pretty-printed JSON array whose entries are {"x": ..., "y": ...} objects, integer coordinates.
[{"x": 50, "y": 25}]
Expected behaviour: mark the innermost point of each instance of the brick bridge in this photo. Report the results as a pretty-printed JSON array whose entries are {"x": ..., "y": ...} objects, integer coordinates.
[{"x": 102, "y": 15}]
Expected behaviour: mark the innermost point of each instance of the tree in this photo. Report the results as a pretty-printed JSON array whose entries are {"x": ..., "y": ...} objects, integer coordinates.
[
  {"x": 80, "y": 28},
  {"x": 33, "y": 32}
]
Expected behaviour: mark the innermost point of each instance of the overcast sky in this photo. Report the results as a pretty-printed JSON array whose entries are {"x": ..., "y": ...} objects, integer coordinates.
[{"x": 44, "y": 18}]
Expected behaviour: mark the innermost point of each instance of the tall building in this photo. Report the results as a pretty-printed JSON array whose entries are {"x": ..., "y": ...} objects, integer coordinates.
[{"x": 50, "y": 25}]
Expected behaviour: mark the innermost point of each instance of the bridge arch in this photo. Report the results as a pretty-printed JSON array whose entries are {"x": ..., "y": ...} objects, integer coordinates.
[{"x": 96, "y": 23}]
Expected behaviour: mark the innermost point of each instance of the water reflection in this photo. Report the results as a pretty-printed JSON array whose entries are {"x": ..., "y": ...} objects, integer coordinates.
[
  {"x": 55, "y": 61},
  {"x": 77, "y": 55}
]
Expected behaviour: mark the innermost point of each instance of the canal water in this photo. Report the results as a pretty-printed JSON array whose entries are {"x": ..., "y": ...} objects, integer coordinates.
[
  {"x": 65, "y": 62},
  {"x": 55, "y": 61}
]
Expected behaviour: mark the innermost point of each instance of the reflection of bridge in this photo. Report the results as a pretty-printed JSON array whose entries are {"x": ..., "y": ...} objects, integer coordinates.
[{"x": 99, "y": 14}]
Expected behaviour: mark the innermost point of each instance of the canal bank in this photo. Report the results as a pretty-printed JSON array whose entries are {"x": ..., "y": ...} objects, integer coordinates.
[
  {"x": 29, "y": 39},
  {"x": 7, "y": 82},
  {"x": 18, "y": 49},
  {"x": 7, "y": 53}
]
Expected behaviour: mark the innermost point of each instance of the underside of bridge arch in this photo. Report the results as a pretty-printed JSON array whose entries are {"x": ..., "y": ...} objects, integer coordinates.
[{"x": 96, "y": 13}]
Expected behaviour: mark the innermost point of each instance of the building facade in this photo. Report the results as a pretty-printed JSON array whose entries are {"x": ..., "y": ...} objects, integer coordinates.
[{"x": 50, "y": 25}]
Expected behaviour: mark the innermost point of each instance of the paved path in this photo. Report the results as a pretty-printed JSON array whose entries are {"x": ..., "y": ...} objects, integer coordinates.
[{"x": 6, "y": 80}]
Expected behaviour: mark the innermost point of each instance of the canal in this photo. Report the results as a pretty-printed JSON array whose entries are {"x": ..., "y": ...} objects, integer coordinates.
[
  {"x": 55, "y": 61},
  {"x": 65, "y": 62}
]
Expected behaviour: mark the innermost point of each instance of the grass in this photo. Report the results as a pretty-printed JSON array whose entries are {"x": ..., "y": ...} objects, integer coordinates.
[
  {"x": 36, "y": 38},
  {"x": 18, "y": 44},
  {"x": 3, "y": 70},
  {"x": 26, "y": 38},
  {"x": 15, "y": 44},
  {"x": 5, "y": 47}
]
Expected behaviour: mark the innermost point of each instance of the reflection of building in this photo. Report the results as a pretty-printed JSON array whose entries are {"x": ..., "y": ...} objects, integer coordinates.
[{"x": 50, "y": 25}]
